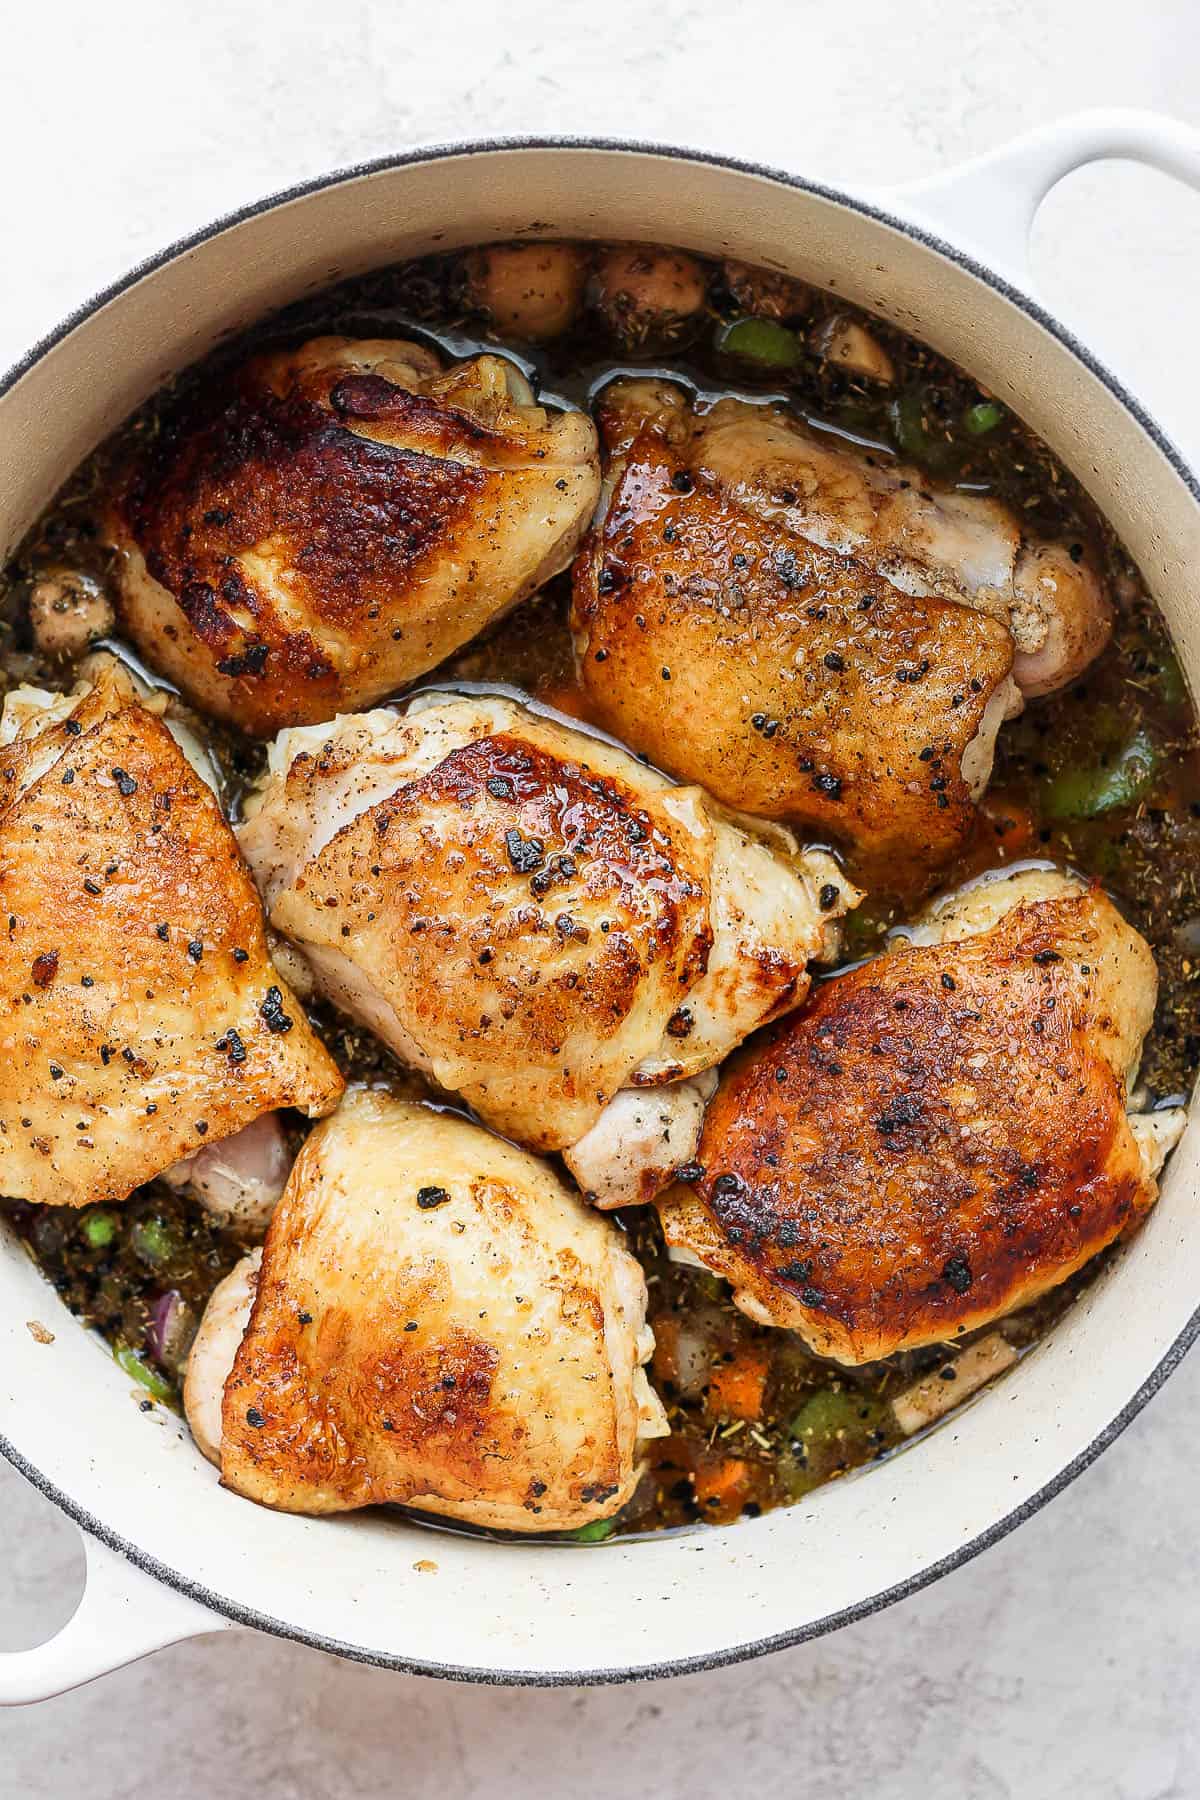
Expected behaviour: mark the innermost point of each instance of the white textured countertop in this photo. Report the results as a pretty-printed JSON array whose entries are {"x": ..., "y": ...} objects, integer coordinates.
[{"x": 1064, "y": 1662}]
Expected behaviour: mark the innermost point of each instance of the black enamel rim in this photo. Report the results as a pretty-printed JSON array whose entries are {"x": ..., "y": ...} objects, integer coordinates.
[{"x": 247, "y": 1616}]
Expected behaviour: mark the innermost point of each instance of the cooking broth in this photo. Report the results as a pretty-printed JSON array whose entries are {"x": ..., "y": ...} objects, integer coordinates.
[{"x": 1104, "y": 776}]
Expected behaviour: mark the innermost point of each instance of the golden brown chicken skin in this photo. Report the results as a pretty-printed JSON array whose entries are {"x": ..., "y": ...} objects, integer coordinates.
[
  {"x": 792, "y": 682},
  {"x": 322, "y": 525},
  {"x": 891, "y": 517},
  {"x": 940, "y": 1136},
  {"x": 437, "y": 1322},
  {"x": 525, "y": 912},
  {"x": 140, "y": 1016}
]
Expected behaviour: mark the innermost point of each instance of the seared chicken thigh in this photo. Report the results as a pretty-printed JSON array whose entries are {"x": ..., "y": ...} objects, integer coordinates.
[
  {"x": 924, "y": 540},
  {"x": 811, "y": 633},
  {"x": 526, "y": 913},
  {"x": 143, "y": 1018},
  {"x": 941, "y": 1135},
  {"x": 436, "y": 1322},
  {"x": 891, "y": 519},
  {"x": 326, "y": 523}
]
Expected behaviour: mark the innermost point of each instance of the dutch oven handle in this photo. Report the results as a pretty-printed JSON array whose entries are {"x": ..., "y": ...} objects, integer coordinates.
[
  {"x": 988, "y": 205},
  {"x": 123, "y": 1615}
]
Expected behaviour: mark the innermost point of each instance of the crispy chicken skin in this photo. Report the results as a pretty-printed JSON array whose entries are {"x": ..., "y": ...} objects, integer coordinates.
[
  {"x": 437, "y": 1322},
  {"x": 814, "y": 634},
  {"x": 526, "y": 913},
  {"x": 324, "y": 524},
  {"x": 892, "y": 519},
  {"x": 941, "y": 1135},
  {"x": 792, "y": 681},
  {"x": 141, "y": 1018}
]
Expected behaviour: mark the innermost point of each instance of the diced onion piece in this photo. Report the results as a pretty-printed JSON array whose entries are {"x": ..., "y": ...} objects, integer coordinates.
[{"x": 926, "y": 1401}]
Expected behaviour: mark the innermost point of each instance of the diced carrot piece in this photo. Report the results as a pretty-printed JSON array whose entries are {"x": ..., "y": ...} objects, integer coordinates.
[
  {"x": 723, "y": 1488},
  {"x": 665, "y": 1361},
  {"x": 735, "y": 1389},
  {"x": 1010, "y": 823}
]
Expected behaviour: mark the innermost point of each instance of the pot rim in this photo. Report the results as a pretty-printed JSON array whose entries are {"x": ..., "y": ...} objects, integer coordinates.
[{"x": 248, "y": 1617}]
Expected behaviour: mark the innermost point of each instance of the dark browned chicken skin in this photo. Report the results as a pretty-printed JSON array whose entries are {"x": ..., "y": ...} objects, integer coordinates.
[
  {"x": 941, "y": 1135},
  {"x": 791, "y": 681},
  {"x": 325, "y": 524},
  {"x": 141, "y": 1018}
]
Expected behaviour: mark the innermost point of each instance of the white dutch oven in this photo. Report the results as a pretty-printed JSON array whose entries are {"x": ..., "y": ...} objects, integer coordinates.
[{"x": 169, "y": 1553}]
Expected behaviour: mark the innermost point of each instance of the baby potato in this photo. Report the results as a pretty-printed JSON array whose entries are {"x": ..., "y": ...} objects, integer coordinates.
[
  {"x": 647, "y": 297},
  {"x": 68, "y": 610},
  {"x": 764, "y": 295},
  {"x": 529, "y": 291}
]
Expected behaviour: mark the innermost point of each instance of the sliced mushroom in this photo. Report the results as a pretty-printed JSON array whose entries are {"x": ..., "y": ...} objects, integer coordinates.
[{"x": 848, "y": 345}]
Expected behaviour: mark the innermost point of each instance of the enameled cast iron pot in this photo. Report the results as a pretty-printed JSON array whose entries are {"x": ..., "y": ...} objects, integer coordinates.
[{"x": 169, "y": 1553}]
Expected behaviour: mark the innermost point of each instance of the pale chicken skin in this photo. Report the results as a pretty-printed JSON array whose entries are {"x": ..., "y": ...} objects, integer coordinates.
[
  {"x": 239, "y": 1179},
  {"x": 437, "y": 1322},
  {"x": 142, "y": 1019},
  {"x": 640, "y": 1139},
  {"x": 324, "y": 524},
  {"x": 812, "y": 634},
  {"x": 524, "y": 912},
  {"x": 214, "y": 1347},
  {"x": 942, "y": 1134}
]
